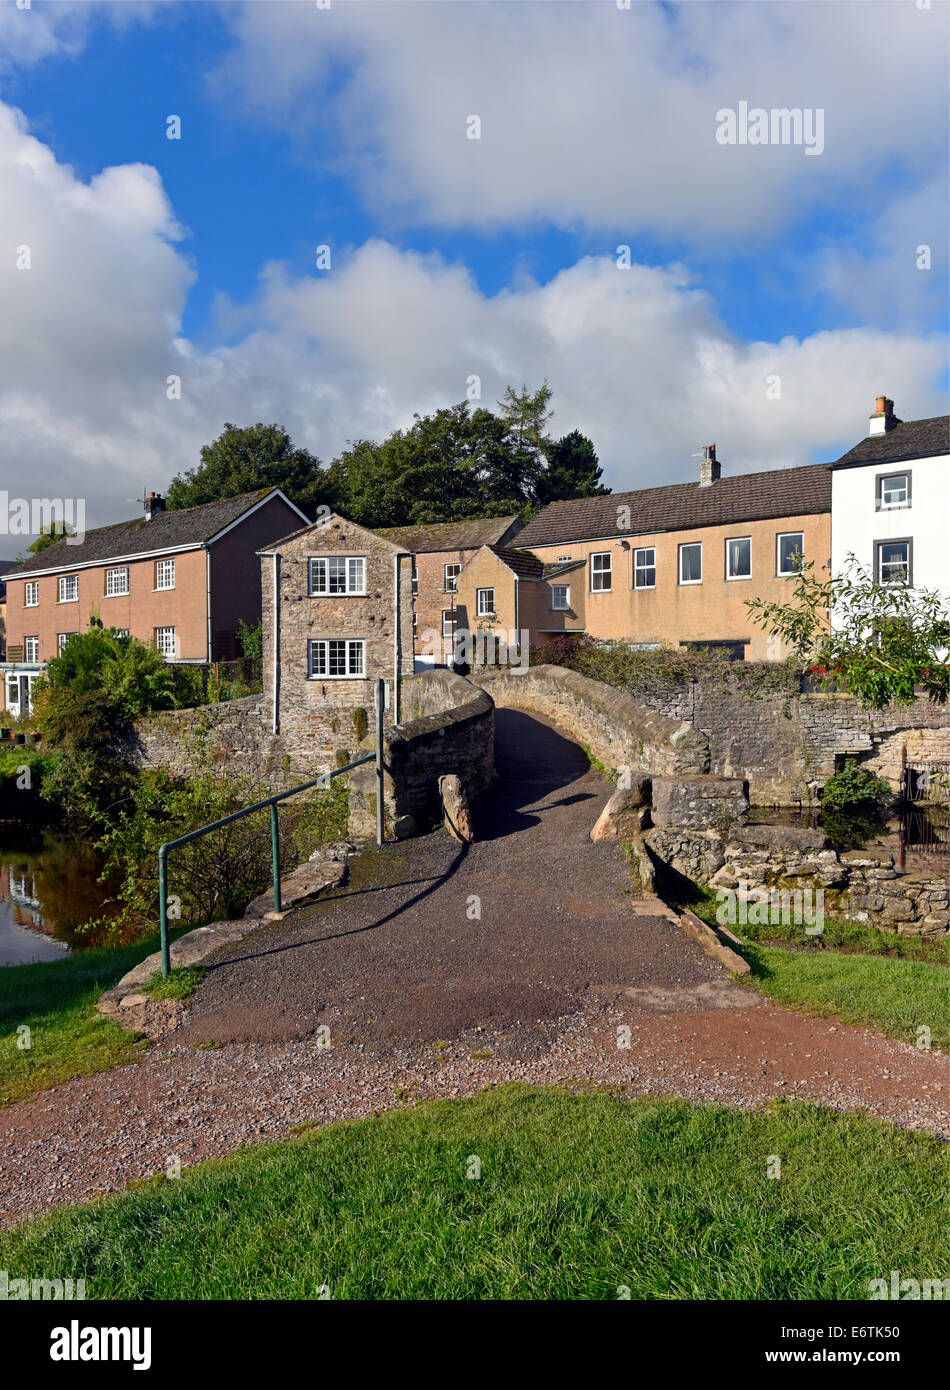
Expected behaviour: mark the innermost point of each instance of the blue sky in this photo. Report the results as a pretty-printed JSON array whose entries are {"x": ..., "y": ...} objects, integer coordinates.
[{"x": 452, "y": 257}]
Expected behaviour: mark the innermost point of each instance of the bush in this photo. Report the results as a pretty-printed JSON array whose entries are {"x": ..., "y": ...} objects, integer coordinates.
[
  {"x": 133, "y": 676},
  {"x": 855, "y": 786}
]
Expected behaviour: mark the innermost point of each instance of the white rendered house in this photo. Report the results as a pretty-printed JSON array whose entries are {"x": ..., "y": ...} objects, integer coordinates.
[{"x": 890, "y": 501}]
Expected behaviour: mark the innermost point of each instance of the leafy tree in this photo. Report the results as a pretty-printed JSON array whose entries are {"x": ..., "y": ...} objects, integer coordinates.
[
  {"x": 855, "y": 786},
  {"x": 886, "y": 642},
  {"x": 449, "y": 466},
  {"x": 245, "y": 459},
  {"x": 572, "y": 470},
  {"x": 251, "y": 638},
  {"x": 48, "y": 536}
]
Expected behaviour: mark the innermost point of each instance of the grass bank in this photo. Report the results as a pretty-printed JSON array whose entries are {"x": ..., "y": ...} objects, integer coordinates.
[
  {"x": 579, "y": 1197},
  {"x": 56, "y": 1002},
  {"x": 896, "y": 984}
]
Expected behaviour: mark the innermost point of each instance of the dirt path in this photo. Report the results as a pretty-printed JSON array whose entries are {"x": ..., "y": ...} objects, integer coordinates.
[{"x": 554, "y": 979}]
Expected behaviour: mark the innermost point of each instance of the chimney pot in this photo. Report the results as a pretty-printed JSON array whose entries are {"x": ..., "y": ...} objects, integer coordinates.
[{"x": 883, "y": 418}]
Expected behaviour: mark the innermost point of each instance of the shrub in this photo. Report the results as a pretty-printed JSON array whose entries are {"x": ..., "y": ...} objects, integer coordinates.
[{"x": 855, "y": 786}]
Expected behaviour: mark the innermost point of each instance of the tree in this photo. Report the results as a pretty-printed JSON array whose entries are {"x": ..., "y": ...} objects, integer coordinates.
[
  {"x": 886, "y": 642},
  {"x": 245, "y": 459},
  {"x": 49, "y": 535},
  {"x": 449, "y": 466},
  {"x": 572, "y": 470},
  {"x": 527, "y": 416}
]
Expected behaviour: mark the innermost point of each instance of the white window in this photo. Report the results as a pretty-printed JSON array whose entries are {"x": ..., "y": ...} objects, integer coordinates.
[
  {"x": 893, "y": 490},
  {"x": 644, "y": 567},
  {"x": 448, "y": 622},
  {"x": 61, "y": 639},
  {"x": 165, "y": 641},
  {"x": 338, "y": 574},
  {"x": 165, "y": 575},
  {"x": 451, "y": 578},
  {"x": 336, "y": 657},
  {"x": 415, "y": 580},
  {"x": 893, "y": 562},
  {"x": 69, "y": 588},
  {"x": 31, "y": 649},
  {"x": 691, "y": 563},
  {"x": 560, "y": 596},
  {"x": 600, "y": 572},
  {"x": 791, "y": 549},
  {"x": 484, "y": 602},
  {"x": 562, "y": 558},
  {"x": 739, "y": 558},
  {"x": 117, "y": 581},
  {"x": 121, "y": 631},
  {"x": 31, "y": 593}
]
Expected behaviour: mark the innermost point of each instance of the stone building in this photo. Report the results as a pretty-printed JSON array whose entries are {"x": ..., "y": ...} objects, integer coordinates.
[{"x": 337, "y": 614}]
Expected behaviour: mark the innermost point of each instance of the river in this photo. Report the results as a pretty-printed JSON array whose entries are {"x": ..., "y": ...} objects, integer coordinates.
[{"x": 49, "y": 889}]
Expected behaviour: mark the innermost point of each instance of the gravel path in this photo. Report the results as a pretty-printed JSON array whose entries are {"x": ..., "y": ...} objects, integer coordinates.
[{"x": 555, "y": 981}]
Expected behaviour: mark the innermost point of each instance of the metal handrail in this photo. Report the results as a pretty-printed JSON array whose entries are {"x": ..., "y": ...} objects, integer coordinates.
[{"x": 271, "y": 801}]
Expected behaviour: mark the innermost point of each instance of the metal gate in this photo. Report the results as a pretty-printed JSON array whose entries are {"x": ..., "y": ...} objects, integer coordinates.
[{"x": 924, "y": 808}]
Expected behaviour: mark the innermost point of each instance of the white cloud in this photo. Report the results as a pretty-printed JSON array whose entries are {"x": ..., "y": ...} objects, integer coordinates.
[
  {"x": 592, "y": 115},
  {"x": 639, "y": 359}
]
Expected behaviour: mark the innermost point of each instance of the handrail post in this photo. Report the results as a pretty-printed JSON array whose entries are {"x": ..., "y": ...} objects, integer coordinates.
[
  {"x": 380, "y": 701},
  {"x": 275, "y": 853},
  {"x": 163, "y": 909}
]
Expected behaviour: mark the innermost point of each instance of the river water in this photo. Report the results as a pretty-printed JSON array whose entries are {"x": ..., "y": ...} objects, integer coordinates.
[{"x": 49, "y": 888}]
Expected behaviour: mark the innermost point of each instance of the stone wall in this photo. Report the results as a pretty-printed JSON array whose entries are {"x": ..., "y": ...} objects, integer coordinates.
[
  {"x": 617, "y": 729},
  {"x": 859, "y": 885},
  {"x": 786, "y": 741},
  {"x": 454, "y": 732}
]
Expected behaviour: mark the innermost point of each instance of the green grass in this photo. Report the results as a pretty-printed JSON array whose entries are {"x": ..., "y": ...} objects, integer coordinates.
[
  {"x": 869, "y": 977},
  {"x": 182, "y": 982},
  {"x": 56, "y": 1000},
  {"x": 579, "y": 1196},
  {"x": 896, "y": 997}
]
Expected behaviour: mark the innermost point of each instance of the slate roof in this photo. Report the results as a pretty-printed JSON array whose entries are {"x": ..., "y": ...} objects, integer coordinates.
[
  {"x": 165, "y": 531},
  {"x": 801, "y": 491},
  {"x": 910, "y": 439},
  {"x": 524, "y": 565},
  {"x": 449, "y": 535}
]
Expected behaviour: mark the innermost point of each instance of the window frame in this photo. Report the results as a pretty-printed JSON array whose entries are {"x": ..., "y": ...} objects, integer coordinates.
[
  {"x": 326, "y": 675},
  {"x": 451, "y": 615},
  {"x": 27, "y": 658},
  {"x": 880, "y": 479},
  {"x": 165, "y": 627},
  {"x": 63, "y": 581},
  {"x": 907, "y": 583},
  {"x": 607, "y": 570},
  {"x": 688, "y": 545},
  {"x": 736, "y": 540},
  {"x": 32, "y": 586},
  {"x": 638, "y": 568},
  {"x": 164, "y": 588},
  {"x": 564, "y": 607},
  {"x": 490, "y": 611},
  {"x": 782, "y": 536},
  {"x": 117, "y": 593},
  {"x": 347, "y": 558},
  {"x": 452, "y": 588},
  {"x": 61, "y": 639}
]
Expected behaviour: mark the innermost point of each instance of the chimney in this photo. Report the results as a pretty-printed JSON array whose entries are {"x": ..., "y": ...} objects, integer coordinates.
[
  {"x": 883, "y": 418},
  {"x": 154, "y": 502},
  {"x": 710, "y": 468}
]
